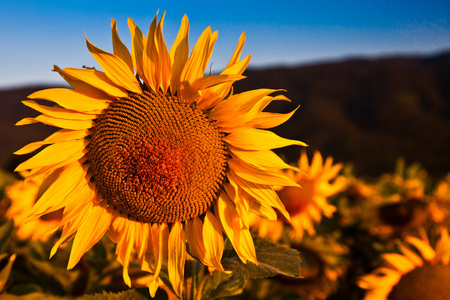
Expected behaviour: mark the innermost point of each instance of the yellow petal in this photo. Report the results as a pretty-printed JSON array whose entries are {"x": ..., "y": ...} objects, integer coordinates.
[
  {"x": 213, "y": 240},
  {"x": 201, "y": 89},
  {"x": 242, "y": 204},
  {"x": 75, "y": 202},
  {"x": 80, "y": 86},
  {"x": 413, "y": 257},
  {"x": 97, "y": 79},
  {"x": 89, "y": 233},
  {"x": 196, "y": 64},
  {"x": 264, "y": 211},
  {"x": 143, "y": 234},
  {"x": 71, "y": 99},
  {"x": 70, "y": 228},
  {"x": 54, "y": 154},
  {"x": 316, "y": 165},
  {"x": 125, "y": 247},
  {"x": 177, "y": 257},
  {"x": 148, "y": 64},
  {"x": 153, "y": 286},
  {"x": 425, "y": 249},
  {"x": 54, "y": 196},
  {"x": 137, "y": 47},
  {"x": 77, "y": 159},
  {"x": 259, "y": 176},
  {"x": 58, "y": 112},
  {"x": 210, "y": 97},
  {"x": 270, "y": 120},
  {"x": 27, "y": 121},
  {"x": 240, "y": 104},
  {"x": 398, "y": 261},
  {"x": 119, "y": 48},
  {"x": 158, "y": 235},
  {"x": 212, "y": 41},
  {"x": 179, "y": 53},
  {"x": 62, "y": 135},
  {"x": 240, "y": 238},
  {"x": 258, "y": 139},
  {"x": 115, "y": 68},
  {"x": 209, "y": 81},
  {"x": 237, "y": 52},
  {"x": 263, "y": 194},
  {"x": 194, "y": 237},
  {"x": 261, "y": 158},
  {"x": 239, "y": 67},
  {"x": 162, "y": 58},
  {"x": 63, "y": 123}
]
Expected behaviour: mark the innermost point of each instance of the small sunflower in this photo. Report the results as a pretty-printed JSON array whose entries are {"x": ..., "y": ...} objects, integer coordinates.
[
  {"x": 307, "y": 204},
  {"x": 423, "y": 274},
  {"x": 323, "y": 262},
  {"x": 155, "y": 154},
  {"x": 23, "y": 195},
  {"x": 400, "y": 205}
]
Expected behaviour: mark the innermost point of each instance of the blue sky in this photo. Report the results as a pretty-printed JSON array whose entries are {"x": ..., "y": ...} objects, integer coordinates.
[{"x": 35, "y": 35}]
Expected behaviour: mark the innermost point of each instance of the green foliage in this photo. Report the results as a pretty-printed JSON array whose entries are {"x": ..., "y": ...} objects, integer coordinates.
[
  {"x": 127, "y": 295},
  {"x": 346, "y": 244},
  {"x": 221, "y": 285},
  {"x": 5, "y": 234},
  {"x": 272, "y": 260}
]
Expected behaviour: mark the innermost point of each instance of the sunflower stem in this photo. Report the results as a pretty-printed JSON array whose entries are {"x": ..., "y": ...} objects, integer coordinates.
[{"x": 200, "y": 288}]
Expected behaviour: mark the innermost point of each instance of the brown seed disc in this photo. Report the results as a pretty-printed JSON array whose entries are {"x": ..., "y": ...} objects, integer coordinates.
[
  {"x": 403, "y": 214},
  {"x": 429, "y": 282},
  {"x": 156, "y": 158}
]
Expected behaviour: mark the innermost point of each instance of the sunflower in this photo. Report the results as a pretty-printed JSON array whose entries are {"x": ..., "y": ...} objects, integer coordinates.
[
  {"x": 23, "y": 195},
  {"x": 307, "y": 204},
  {"x": 400, "y": 205},
  {"x": 155, "y": 154},
  {"x": 323, "y": 263},
  {"x": 422, "y": 274}
]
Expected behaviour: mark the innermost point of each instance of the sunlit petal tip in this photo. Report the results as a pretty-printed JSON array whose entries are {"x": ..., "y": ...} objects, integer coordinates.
[
  {"x": 117, "y": 70},
  {"x": 26, "y": 121}
]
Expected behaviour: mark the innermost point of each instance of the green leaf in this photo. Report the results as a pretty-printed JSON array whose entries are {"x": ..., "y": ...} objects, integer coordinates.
[
  {"x": 272, "y": 260},
  {"x": 5, "y": 233},
  {"x": 128, "y": 295},
  {"x": 221, "y": 285},
  {"x": 59, "y": 274}
]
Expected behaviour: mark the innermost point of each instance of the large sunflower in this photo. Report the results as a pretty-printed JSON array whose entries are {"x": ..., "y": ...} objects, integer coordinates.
[
  {"x": 410, "y": 274},
  {"x": 154, "y": 154}
]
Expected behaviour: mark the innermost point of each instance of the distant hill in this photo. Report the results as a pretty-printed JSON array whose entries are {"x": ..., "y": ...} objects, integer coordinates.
[
  {"x": 365, "y": 111},
  {"x": 14, "y": 137}
]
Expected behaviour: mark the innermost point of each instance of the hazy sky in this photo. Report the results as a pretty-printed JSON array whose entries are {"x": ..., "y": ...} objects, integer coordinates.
[{"x": 36, "y": 35}]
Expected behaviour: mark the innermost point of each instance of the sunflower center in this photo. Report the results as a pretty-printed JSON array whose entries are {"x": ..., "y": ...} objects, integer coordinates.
[
  {"x": 296, "y": 200},
  {"x": 157, "y": 158},
  {"x": 426, "y": 282},
  {"x": 405, "y": 214}
]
